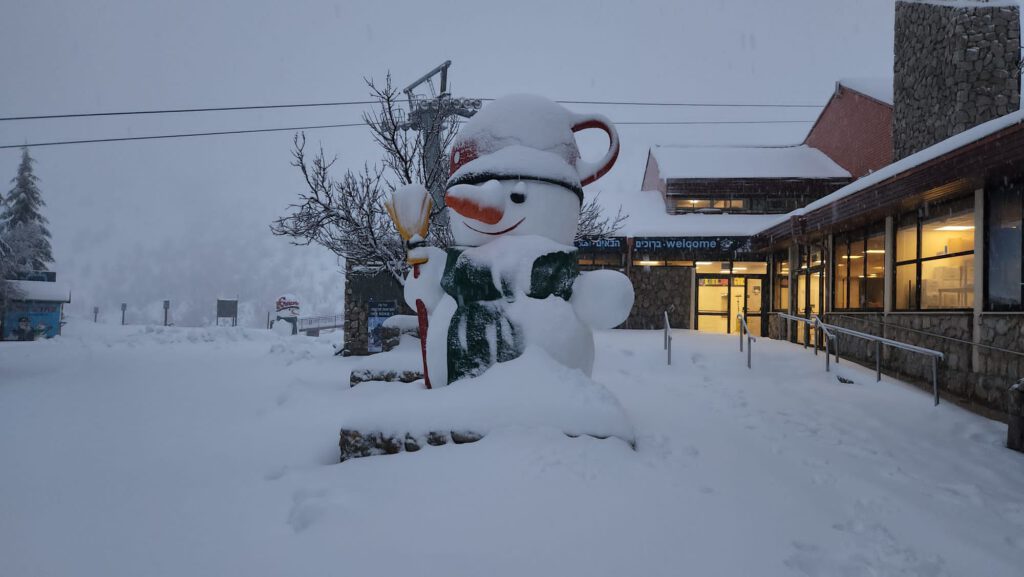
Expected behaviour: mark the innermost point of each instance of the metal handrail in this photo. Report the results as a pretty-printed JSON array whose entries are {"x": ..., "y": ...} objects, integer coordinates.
[
  {"x": 816, "y": 324},
  {"x": 879, "y": 341},
  {"x": 668, "y": 338},
  {"x": 750, "y": 338}
]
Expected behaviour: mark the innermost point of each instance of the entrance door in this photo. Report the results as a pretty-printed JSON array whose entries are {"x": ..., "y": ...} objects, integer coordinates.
[
  {"x": 713, "y": 304},
  {"x": 810, "y": 291},
  {"x": 752, "y": 304}
]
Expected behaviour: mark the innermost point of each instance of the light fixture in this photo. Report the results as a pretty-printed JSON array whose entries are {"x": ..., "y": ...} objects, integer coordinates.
[
  {"x": 703, "y": 263},
  {"x": 735, "y": 268},
  {"x": 853, "y": 256},
  {"x": 955, "y": 228},
  {"x": 875, "y": 251},
  {"x": 648, "y": 263}
]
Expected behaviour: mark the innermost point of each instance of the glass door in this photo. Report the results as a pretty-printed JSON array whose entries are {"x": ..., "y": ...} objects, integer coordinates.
[
  {"x": 713, "y": 304},
  {"x": 752, "y": 304}
]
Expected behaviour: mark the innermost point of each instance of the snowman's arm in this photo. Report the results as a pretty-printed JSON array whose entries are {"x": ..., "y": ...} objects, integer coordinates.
[
  {"x": 602, "y": 299},
  {"x": 427, "y": 286}
]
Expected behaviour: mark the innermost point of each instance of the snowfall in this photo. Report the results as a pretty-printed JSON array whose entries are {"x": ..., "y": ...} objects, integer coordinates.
[{"x": 152, "y": 451}]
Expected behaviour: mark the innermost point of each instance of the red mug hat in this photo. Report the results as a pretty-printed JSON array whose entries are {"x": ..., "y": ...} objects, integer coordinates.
[{"x": 527, "y": 137}]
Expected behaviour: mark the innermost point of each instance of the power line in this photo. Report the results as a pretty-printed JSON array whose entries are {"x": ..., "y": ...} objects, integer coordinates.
[
  {"x": 364, "y": 102},
  {"x": 188, "y": 135},
  {"x": 716, "y": 122},
  {"x": 695, "y": 104},
  {"x": 180, "y": 110},
  {"x": 351, "y": 125}
]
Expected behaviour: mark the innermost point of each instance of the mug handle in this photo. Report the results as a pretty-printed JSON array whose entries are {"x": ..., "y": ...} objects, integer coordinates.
[{"x": 591, "y": 171}]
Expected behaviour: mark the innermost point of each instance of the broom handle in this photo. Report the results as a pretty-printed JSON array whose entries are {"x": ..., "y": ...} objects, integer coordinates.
[{"x": 421, "y": 316}]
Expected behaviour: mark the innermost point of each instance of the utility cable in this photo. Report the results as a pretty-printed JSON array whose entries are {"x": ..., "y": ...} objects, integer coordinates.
[
  {"x": 351, "y": 125},
  {"x": 364, "y": 102}
]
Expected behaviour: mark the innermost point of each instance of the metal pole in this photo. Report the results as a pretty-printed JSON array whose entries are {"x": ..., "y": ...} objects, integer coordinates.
[
  {"x": 826, "y": 354},
  {"x": 124, "y": 307},
  {"x": 670, "y": 350},
  {"x": 878, "y": 361},
  {"x": 95, "y": 314},
  {"x": 935, "y": 379},
  {"x": 741, "y": 335},
  {"x": 749, "y": 348}
]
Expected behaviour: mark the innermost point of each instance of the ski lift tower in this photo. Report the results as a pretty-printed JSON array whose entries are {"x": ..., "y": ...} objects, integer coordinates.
[{"x": 427, "y": 115}]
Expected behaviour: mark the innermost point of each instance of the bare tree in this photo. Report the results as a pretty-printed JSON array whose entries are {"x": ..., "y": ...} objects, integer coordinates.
[
  {"x": 403, "y": 149},
  {"x": 346, "y": 216},
  {"x": 593, "y": 222}
]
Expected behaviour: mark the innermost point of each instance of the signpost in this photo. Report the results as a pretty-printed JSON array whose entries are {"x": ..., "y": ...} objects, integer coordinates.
[{"x": 227, "y": 309}]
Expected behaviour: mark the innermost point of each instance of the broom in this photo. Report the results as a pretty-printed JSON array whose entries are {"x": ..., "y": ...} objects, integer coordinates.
[{"x": 409, "y": 208}]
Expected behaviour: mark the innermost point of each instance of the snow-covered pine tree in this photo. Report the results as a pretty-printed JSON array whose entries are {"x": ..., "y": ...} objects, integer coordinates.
[{"x": 22, "y": 214}]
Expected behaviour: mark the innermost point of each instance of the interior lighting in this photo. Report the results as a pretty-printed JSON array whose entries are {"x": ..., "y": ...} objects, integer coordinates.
[
  {"x": 877, "y": 250},
  {"x": 955, "y": 228},
  {"x": 648, "y": 263}
]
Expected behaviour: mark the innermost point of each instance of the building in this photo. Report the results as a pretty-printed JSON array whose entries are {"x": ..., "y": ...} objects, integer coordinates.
[
  {"x": 926, "y": 250},
  {"x": 39, "y": 312}
]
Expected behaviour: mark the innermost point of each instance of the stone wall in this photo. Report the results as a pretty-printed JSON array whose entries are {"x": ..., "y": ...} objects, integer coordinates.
[
  {"x": 360, "y": 288},
  {"x": 658, "y": 289},
  {"x": 973, "y": 375},
  {"x": 955, "y": 67},
  {"x": 999, "y": 370}
]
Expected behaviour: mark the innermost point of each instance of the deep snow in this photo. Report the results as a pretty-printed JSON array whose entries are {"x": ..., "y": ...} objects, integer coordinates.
[{"x": 172, "y": 451}]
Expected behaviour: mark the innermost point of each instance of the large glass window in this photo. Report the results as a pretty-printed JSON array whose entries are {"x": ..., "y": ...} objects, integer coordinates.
[
  {"x": 935, "y": 258},
  {"x": 1003, "y": 248},
  {"x": 859, "y": 259}
]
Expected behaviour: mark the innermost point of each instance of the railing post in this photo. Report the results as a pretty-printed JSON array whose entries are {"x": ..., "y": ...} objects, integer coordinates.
[
  {"x": 670, "y": 350},
  {"x": 878, "y": 361},
  {"x": 935, "y": 378},
  {"x": 749, "y": 349},
  {"x": 826, "y": 355}
]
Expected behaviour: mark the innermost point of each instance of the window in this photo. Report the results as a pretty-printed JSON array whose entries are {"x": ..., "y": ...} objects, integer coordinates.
[
  {"x": 859, "y": 259},
  {"x": 780, "y": 280},
  {"x": 935, "y": 258},
  {"x": 693, "y": 204},
  {"x": 1003, "y": 248}
]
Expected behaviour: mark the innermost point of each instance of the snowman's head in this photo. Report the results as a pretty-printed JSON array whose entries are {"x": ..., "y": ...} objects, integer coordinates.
[
  {"x": 480, "y": 213},
  {"x": 515, "y": 169}
]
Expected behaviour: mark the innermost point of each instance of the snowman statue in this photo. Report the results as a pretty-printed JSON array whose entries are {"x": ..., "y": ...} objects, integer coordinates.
[{"x": 510, "y": 281}]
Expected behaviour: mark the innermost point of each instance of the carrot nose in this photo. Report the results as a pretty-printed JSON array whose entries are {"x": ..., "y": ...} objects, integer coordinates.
[{"x": 482, "y": 203}]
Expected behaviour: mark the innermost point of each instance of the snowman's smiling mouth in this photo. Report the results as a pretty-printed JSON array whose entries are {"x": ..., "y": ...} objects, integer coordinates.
[{"x": 500, "y": 232}]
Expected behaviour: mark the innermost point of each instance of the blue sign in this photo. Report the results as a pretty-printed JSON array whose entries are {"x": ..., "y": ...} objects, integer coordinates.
[
  {"x": 380, "y": 311},
  {"x": 599, "y": 244},
  {"x": 31, "y": 320},
  {"x": 702, "y": 245}
]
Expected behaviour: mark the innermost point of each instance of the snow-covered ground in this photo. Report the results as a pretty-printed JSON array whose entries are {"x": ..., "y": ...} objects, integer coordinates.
[{"x": 142, "y": 451}]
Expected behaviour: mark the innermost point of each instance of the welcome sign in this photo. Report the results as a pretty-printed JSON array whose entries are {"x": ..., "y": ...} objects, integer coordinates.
[{"x": 700, "y": 246}]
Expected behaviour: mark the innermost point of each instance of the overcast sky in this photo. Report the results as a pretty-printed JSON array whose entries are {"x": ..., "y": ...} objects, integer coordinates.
[{"x": 136, "y": 221}]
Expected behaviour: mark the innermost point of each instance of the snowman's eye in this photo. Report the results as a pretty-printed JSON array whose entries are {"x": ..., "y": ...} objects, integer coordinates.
[{"x": 518, "y": 197}]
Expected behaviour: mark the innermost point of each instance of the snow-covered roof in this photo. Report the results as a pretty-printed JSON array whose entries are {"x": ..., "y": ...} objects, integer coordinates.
[
  {"x": 932, "y": 152},
  {"x": 879, "y": 88},
  {"x": 798, "y": 161},
  {"x": 34, "y": 290},
  {"x": 647, "y": 217},
  {"x": 965, "y": 3}
]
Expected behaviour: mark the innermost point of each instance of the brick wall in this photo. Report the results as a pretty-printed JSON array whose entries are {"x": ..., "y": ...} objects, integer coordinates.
[{"x": 855, "y": 131}]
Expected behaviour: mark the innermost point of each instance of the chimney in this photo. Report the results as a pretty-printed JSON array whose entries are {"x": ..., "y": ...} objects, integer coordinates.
[{"x": 956, "y": 65}]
